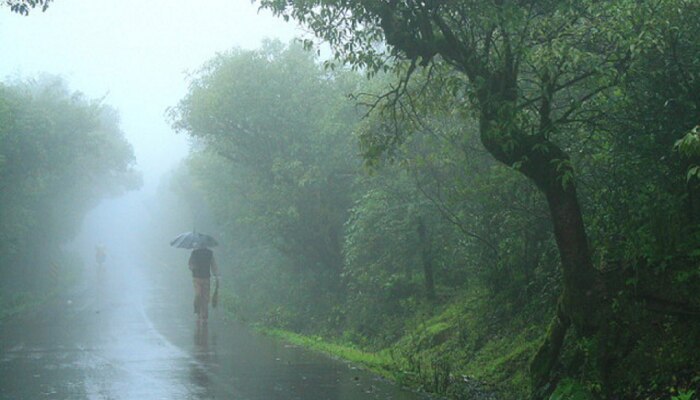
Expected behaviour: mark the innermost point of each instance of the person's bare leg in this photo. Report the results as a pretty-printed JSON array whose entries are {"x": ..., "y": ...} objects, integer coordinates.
[
  {"x": 204, "y": 299},
  {"x": 197, "y": 295}
]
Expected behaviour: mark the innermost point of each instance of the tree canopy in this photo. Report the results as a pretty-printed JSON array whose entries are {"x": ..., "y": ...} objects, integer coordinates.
[
  {"x": 595, "y": 103},
  {"x": 538, "y": 78}
]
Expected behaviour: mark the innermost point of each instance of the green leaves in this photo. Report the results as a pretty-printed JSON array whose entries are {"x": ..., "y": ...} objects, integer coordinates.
[
  {"x": 280, "y": 126},
  {"x": 565, "y": 172},
  {"x": 61, "y": 153},
  {"x": 24, "y": 6},
  {"x": 571, "y": 390},
  {"x": 689, "y": 147}
]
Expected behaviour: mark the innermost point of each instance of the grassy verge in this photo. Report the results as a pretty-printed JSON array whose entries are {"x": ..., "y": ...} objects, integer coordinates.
[
  {"x": 466, "y": 350},
  {"x": 460, "y": 351},
  {"x": 380, "y": 363}
]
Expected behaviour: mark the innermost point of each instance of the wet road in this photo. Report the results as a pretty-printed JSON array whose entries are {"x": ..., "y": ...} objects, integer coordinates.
[{"x": 124, "y": 338}]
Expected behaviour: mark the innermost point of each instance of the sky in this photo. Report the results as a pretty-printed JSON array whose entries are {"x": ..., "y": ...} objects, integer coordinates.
[{"x": 137, "y": 54}]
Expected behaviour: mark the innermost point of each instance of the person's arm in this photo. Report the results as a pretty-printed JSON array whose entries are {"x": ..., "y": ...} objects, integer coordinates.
[
  {"x": 190, "y": 263},
  {"x": 214, "y": 267}
]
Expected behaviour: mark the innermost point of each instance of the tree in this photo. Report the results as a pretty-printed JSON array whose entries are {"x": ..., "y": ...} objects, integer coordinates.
[
  {"x": 61, "y": 153},
  {"x": 24, "y": 6},
  {"x": 502, "y": 219},
  {"x": 529, "y": 70},
  {"x": 280, "y": 126}
]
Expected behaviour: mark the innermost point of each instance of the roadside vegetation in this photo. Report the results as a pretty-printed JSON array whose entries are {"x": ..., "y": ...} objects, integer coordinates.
[
  {"x": 481, "y": 199},
  {"x": 541, "y": 241},
  {"x": 60, "y": 154}
]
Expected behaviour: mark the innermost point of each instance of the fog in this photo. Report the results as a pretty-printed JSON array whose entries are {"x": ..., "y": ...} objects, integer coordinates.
[
  {"x": 480, "y": 199},
  {"x": 136, "y": 57}
]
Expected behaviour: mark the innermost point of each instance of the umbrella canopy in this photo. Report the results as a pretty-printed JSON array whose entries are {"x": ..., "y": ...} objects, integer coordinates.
[{"x": 192, "y": 240}]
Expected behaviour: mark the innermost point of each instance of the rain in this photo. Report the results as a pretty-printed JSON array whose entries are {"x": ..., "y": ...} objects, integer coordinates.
[{"x": 326, "y": 199}]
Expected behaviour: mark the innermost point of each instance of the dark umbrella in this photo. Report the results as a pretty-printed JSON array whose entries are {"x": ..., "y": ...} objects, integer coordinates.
[{"x": 191, "y": 240}]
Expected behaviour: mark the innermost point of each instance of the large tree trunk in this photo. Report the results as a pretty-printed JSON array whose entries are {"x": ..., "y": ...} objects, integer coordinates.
[
  {"x": 550, "y": 169},
  {"x": 580, "y": 298}
]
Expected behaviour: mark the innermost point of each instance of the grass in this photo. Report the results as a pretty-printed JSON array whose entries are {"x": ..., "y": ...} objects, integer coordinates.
[
  {"x": 461, "y": 339},
  {"x": 473, "y": 342},
  {"x": 504, "y": 362},
  {"x": 379, "y": 363}
]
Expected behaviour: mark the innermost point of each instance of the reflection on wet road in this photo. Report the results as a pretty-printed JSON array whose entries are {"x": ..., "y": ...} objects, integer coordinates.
[{"x": 127, "y": 337}]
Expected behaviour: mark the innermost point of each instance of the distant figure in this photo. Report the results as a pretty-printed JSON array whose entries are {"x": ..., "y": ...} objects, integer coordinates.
[
  {"x": 100, "y": 255},
  {"x": 202, "y": 265}
]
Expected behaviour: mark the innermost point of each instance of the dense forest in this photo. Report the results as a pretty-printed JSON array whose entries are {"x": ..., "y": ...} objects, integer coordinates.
[
  {"x": 480, "y": 199},
  {"x": 521, "y": 209}
]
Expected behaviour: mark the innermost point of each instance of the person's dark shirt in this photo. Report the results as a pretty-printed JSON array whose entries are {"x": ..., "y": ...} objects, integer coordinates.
[{"x": 200, "y": 263}]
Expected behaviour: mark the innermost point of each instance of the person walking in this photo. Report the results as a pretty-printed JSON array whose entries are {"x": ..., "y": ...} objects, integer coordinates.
[
  {"x": 100, "y": 255},
  {"x": 203, "y": 266}
]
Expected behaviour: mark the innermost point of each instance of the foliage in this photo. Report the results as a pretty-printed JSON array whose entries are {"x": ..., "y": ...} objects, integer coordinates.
[
  {"x": 376, "y": 362},
  {"x": 438, "y": 263},
  {"x": 524, "y": 78},
  {"x": 689, "y": 147},
  {"x": 540, "y": 79},
  {"x": 61, "y": 153},
  {"x": 684, "y": 395},
  {"x": 582, "y": 98},
  {"x": 570, "y": 390},
  {"x": 485, "y": 225},
  {"x": 462, "y": 352},
  {"x": 277, "y": 160},
  {"x": 24, "y": 6}
]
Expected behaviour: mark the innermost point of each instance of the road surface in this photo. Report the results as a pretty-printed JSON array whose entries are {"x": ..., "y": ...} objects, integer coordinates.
[{"x": 122, "y": 337}]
